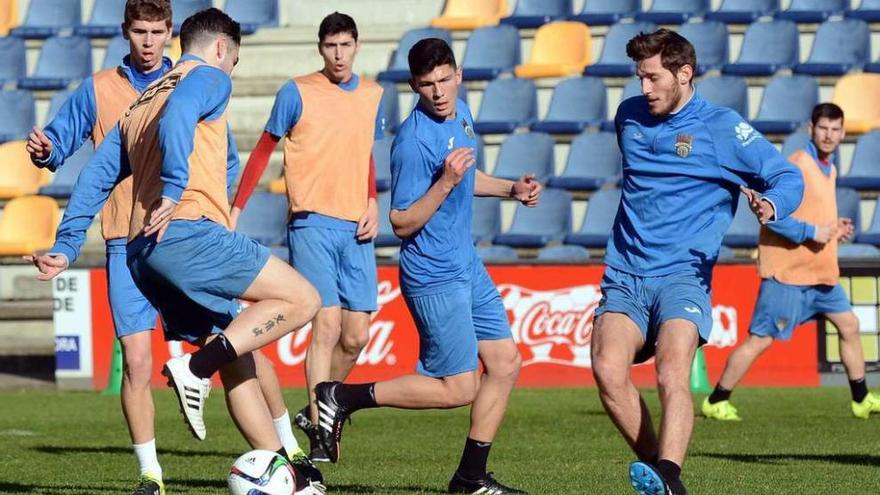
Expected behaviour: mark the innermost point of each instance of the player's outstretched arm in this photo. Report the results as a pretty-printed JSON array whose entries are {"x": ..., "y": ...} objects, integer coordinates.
[
  {"x": 526, "y": 190},
  {"x": 254, "y": 169},
  {"x": 67, "y": 131}
]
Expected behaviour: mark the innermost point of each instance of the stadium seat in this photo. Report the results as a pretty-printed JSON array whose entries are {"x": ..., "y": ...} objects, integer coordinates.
[
  {"x": 606, "y": 12},
  {"x": 726, "y": 254},
  {"x": 386, "y": 235},
  {"x": 390, "y": 106},
  {"x": 62, "y": 61},
  {"x": 253, "y": 14},
  {"x": 560, "y": 49},
  {"x": 743, "y": 11},
  {"x": 577, "y": 103},
  {"x": 105, "y": 21},
  {"x": 868, "y": 10},
  {"x": 673, "y": 11},
  {"x": 466, "y": 15},
  {"x": 564, "y": 253},
  {"x": 856, "y": 251},
  {"x": 596, "y": 227},
  {"x": 633, "y": 87},
  {"x": 264, "y": 219},
  {"x": 64, "y": 179},
  {"x": 594, "y": 161},
  {"x": 804, "y": 11},
  {"x": 864, "y": 173},
  {"x": 8, "y": 16},
  {"x": 794, "y": 142},
  {"x": 744, "y": 229},
  {"x": 614, "y": 62},
  {"x": 398, "y": 69},
  {"x": 710, "y": 40},
  {"x": 382, "y": 158},
  {"x": 117, "y": 49},
  {"x": 491, "y": 51},
  {"x": 768, "y": 46},
  {"x": 526, "y": 153},
  {"x": 497, "y": 254},
  {"x": 859, "y": 97},
  {"x": 506, "y": 105},
  {"x": 18, "y": 176},
  {"x": 727, "y": 91},
  {"x": 536, "y": 13},
  {"x": 17, "y": 109},
  {"x": 46, "y": 18},
  {"x": 481, "y": 155},
  {"x": 181, "y": 9},
  {"x": 536, "y": 227},
  {"x": 840, "y": 46},
  {"x": 787, "y": 104},
  {"x": 28, "y": 225},
  {"x": 485, "y": 219},
  {"x": 848, "y": 206},
  {"x": 56, "y": 102},
  {"x": 871, "y": 235},
  {"x": 13, "y": 60}
]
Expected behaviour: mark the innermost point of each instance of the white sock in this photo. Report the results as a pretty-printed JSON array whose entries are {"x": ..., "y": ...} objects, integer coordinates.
[
  {"x": 285, "y": 434},
  {"x": 147, "y": 459}
]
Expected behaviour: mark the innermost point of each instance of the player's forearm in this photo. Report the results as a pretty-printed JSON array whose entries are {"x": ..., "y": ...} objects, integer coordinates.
[
  {"x": 794, "y": 230},
  {"x": 487, "y": 185},
  {"x": 254, "y": 169},
  {"x": 409, "y": 221},
  {"x": 785, "y": 186}
]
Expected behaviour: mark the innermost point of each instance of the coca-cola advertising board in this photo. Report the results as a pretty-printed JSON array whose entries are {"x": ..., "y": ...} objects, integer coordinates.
[{"x": 550, "y": 308}]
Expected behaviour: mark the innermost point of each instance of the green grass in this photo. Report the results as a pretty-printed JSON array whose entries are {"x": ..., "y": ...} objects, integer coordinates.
[{"x": 793, "y": 441}]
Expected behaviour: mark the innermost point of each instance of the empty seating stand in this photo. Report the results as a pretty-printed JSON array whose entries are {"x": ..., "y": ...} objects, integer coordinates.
[
  {"x": 577, "y": 103},
  {"x": 523, "y": 154},
  {"x": 605, "y": 12},
  {"x": 490, "y": 52},
  {"x": 62, "y": 61},
  {"x": 710, "y": 41},
  {"x": 756, "y": 59},
  {"x": 536, "y": 13},
  {"x": 840, "y": 46},
  {"x": 47, "y": 18},
  {"x": 398, "y": 70},
  {"x": 614, "y": 62},
  {"x": 105, "y": 20},
  {"x": 594, "y": 161},
  {"x": 18, "y": 176},
  {"x": 506, "y": 105},
  {"x": 596, "y": 227},
  {"x": 65, "y": 177},
  {"x": 264, "y": 219},
  {"x": 17, "y": 109},
  {"x": 536, "y": 227},
  {"x": 864, "y": 173},
  {"x": 181, "y": 9},
  {"x": 485, "y": 219},
  {"x": 673, "y": 11},
  {"x": 804, "y": 11},
  {"x": 253, "y": 14},
  {"x": 13, "y": 60},
  {"x": 470, "y": 14},
  {"x": 743, "y": 11},
  {"x": 859, "y": 97},
  {"x": 787, "y": 104},
  {"x": 28, "y": 225},
  {"x": 560, "y": 49}
]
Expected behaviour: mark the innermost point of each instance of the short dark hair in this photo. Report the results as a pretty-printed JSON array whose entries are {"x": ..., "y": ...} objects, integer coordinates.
[
  {"x": 209, "y": 22},
  {"x": 428, "y": 54},
  {"x": 147, "y": 10},
  {"x": 674, "y": 49},
  {"x": 829, "y": 111},
  {"x": 336, "y": 23}
]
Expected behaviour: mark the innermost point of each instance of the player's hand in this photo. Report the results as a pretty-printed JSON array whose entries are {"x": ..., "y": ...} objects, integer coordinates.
[
  {"x": 49, "y": 265},
  {"x": 159, "y": 218},
  {"x": 826, "y": 233},
  {"x": 527, "y": 190},
  {"x": 234, "y": 213},
  {"x": 457, "y": 163},
  {"x": 762, "y": 208},
  {"x": 845, "y": 229},
  {"x": 368, "y": 225},
  {"x": 38, "y": 145}
]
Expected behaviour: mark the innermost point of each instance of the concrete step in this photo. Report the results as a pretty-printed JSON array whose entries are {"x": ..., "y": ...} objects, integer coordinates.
[
  {"x": 19, "y": 281},
  {"x": 36, "y": 309},
  {"x": 33, "y": 337}
]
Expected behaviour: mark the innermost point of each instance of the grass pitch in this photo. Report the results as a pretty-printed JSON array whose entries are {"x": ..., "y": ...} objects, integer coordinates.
[{"x": 554, "y": 441}]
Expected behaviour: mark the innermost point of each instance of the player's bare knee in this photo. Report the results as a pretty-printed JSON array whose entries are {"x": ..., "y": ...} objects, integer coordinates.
[
  {"x": 673, "y": 379},
  {"x": 138, "y": 368},
  {"x": 352, "y": 343},
  {"x": 848, "y": 327},
  {"x": 461, "y": 390},
  {"x": 505, "y": 368},
  {"x": 609, "y": 374}
]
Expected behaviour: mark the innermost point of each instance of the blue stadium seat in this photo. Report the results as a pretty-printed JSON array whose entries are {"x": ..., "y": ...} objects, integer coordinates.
[
  {"x": 116, "y": 50},
  {"x": 872, "y": 234},
  {"x": 710, "y": 40},
  {"x": 536, "y": 13},
  {"x": 744, "y": 229},
  {"x": 848, "y": 206},
  {"x": 869, "y": 11},
  {"x": 497, "y": 254},
  {"x": 787, "y": 104},
  {"x": 633, "y": 87},
  {"x": 65, "y": 178},
  {"x": 390, "y": 106},
  {"x": 613, "y": 62},
  {"x": 726, "y": 254},
  {"x": 264, "y": 219},
  {"x": 856, "y": 251},
  {"x": 481, "y": 156},
  {"x": 605, "y": 12},
  {"x": 577, "y": 103},
  {"x": 794, "y": 142},
  {"x": 253, "y": 14},
  {"x": 673, "y": 11},
  {"x": 864, "y": 173},
  {"x": 386, "y": 235},
  {"x": 46, "y": 18},
  {"x": 727, "y": 91},
  {"x": 62, "y": 61},
  {"x": 382, "y": 158},
  {"x": 491, "y": 51},
  {"x": 17, "y": 109},
  {"x": 526, "y": 153},
  {"x": 804, "y": 11},
  {"x": 564, "y": 253},
  {"x": 181, "y": 9},
  {"x": 596, "y": 227},
  {"x": 13, "y": 59},
  {"x": 398, "y": 69},
  {"x": 594, "y": 161},
  {"x": 839, "y": 47},
  {"x": 105, "y": 21},
  {"x": 768, "y": 46},
  {"x": 485, "y": 219},
  {"x": 873, "y": 66},
  {"x": 743, "y": 11},
  {"x": 507, "y": 104},
  {"x": 55, "y": 103},
  {"x": 536, "y": 227}
]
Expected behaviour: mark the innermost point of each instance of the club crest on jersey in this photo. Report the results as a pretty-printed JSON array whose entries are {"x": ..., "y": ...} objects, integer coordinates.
[
  {"x": 468, "y": 129},
  {"x": 684, "y": 143}
]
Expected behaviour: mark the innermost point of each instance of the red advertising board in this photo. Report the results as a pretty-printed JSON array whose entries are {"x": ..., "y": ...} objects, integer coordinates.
[{"x": 551, "y": 313}]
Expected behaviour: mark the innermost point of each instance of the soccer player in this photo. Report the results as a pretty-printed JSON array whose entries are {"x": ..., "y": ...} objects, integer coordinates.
[
  {"x": 174, "y": 140},
  {"x": 797, "y": 261},
  {"x": 457, "y": 309},
  {"x": 331, "y": 191},
  {"x": 684, "y": 162}
]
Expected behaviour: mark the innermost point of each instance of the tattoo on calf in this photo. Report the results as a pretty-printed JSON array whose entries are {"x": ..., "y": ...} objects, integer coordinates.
[{"x": 269, "y": 325}]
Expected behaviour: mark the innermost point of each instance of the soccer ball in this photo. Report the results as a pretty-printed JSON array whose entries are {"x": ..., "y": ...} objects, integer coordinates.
[{"x": 262, "y": 472}]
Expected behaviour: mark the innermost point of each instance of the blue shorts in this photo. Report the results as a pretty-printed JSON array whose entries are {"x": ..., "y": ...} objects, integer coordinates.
[
  {"x": 782, "y": 307},
  {"x": 341, "y": 268},
  {"x": 652, "y": 301},
  {"x": 451, "y": 323},
  {"x": 132, "y": 312},
  {"x": 195, "y": 275}
]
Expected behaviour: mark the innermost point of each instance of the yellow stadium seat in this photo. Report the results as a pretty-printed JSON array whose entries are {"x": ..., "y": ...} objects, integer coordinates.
[
  {"x": 560, "y": 49},
  {"x": 28, "y": 225},
  {"x": 174, "y": 50},
  {"x": 8, "y": 16},
  {"x": 18, "y": 176},
  {"x": 278, "y": 186},
  {"x": 461, "y": 15},
  {"x": 859, "y": 97}
]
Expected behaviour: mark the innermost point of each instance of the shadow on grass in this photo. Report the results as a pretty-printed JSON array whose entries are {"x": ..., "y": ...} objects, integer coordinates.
[
  {"x": 56, "y": 450},
  {"x": 848, "y": 459},
  {"x": 384, "y": 489},
  {"x": 196, "y": 483}
]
